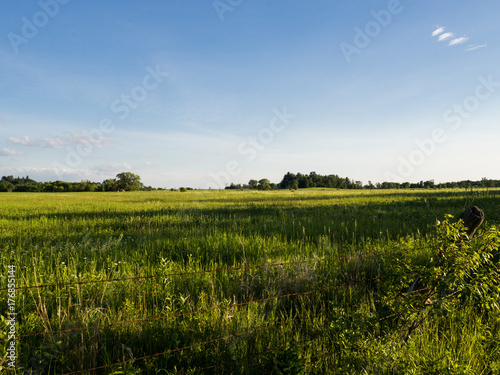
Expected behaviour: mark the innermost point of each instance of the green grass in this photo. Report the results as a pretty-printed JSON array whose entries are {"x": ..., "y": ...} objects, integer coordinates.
[{"x": 318, "y": 312}]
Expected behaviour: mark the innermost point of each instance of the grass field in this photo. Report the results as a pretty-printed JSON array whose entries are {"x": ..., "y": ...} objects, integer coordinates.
[{"x": 237, "y": 282}]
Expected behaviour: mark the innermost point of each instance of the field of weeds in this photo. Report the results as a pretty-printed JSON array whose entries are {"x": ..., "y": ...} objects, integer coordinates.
[{"x": 248, "y": 282}]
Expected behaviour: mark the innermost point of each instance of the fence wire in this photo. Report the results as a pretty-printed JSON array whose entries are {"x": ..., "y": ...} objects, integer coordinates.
[
  {"x": 203, "y": 310},
  {"x": 193, "y": 313},
  {"x": 281, "y": 264}
]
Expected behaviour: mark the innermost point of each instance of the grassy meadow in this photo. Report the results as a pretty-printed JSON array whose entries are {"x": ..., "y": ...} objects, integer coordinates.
[{"x": 237, "y": 282}]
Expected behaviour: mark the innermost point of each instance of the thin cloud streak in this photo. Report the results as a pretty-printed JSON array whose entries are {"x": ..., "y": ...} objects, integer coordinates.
[
  {"x": 445, "y": 36},
  {"x": 473, "y": 48},
  {"x": 73, "y": 138},
  {"x": 458, "y": 41},
  {"x": 438, "y": 31},
  {"x": 7, "y": 152},
  {"x": 24, "y": 141}
]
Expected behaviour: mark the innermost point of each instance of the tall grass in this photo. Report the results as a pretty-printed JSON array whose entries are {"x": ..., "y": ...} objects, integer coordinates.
[{"x": 296, "y": 289}]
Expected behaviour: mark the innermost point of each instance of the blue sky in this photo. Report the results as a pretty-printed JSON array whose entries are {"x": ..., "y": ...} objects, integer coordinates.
[{"x": 203, "y": 93}]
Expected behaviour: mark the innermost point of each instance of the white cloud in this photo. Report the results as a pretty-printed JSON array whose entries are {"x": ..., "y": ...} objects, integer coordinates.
[
  {"x": 452, "y": 40},
  {"x": 438, "y": 31},
  {"x": 55, "y": 142},
  {"x": 112, "y": 169},
  {"x": 458, "y": 41},
  {"x": 74, "y": 138},
  {"x": 474, "y": 47},
  {"x": 445, "y": 36},
  {"x": 24, "y": 141},
  {"x": 49, "y": 174},
  {"x": 7, "y": 152}
]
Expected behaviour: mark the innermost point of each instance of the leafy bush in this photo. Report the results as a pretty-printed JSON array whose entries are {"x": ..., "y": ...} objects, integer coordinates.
[
  {"x": 457, "y": 272},
  {"x": 462, "y": 269}
]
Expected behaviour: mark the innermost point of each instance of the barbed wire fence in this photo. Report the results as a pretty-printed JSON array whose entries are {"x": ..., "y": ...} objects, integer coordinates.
[
  {"x": 246, "y": 268},
  {"x": 212, "y": 366}
]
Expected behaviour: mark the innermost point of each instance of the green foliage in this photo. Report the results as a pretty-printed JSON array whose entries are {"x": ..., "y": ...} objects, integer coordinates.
[
  {"x": 466, "y": 268},
  {"x": 253, "y": 184},
  {"x": 264, "y": 184},
  {"x": 6, "y": 186},
  {"x": 109, "y": 185},
  {"x": 128, "y": 181},
  {"x": 124, "y": 181},
  {"x": 460, "y": 270},
  {"x": 330, "y": 271}
]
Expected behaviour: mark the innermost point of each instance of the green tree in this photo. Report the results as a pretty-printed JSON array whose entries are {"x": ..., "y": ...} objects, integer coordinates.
[
  {"x": 128, "y": 181},
  {"x": 288, "y": 181},
  {"x": 264, "y": 184},
  {"x": 109, "y": 185},
  {"x": 6, "y": 186}
]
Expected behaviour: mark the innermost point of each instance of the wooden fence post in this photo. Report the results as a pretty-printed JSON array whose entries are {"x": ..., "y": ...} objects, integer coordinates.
[{"x": 472, "y": 217}]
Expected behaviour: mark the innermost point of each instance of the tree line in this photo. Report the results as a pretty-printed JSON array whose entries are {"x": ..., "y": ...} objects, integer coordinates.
[
  {"x": 302, "y": 181},
  {"x": 125, "y": 181}
]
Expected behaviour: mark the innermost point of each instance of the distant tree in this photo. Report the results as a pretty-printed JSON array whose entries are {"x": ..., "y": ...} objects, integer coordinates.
[
  {"x": 264, "y": 184},
  {"x": 128, "y": 181},
  {"x": 182, "y": 189},
  {"x": 6, "y": 186},
  {"x": 429, "y": 184},
  {"x": 28, "y": 188},
  {"x": 253, "y": 184},
  {"x": 109, "y": 185},
  {"x": 303, "y": 181},
  {"x": 315, "y": 180},
  {"x": 288, "y": 181},
  {"x": 233, "y": 187},
  {"x": 9, "y": 179}
]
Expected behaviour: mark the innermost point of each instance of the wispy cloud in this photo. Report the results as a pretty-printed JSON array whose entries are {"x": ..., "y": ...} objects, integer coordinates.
[
  {"x": 72, "y": 139},
  {"x": 438, "y": 31},
  {"x": 24, "y": 141},
  {"x": 49, "y": 174},
  {"x": 445, "y": 36},
  {"x": 474, "y": 47},
  {"x": 8, "y": 152},
  {"x": 57, "y": 142},
  {"x": 112, "y": 169},
  {"x": 460, "y": 40},
  {"x": 452, "y": 40}
]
